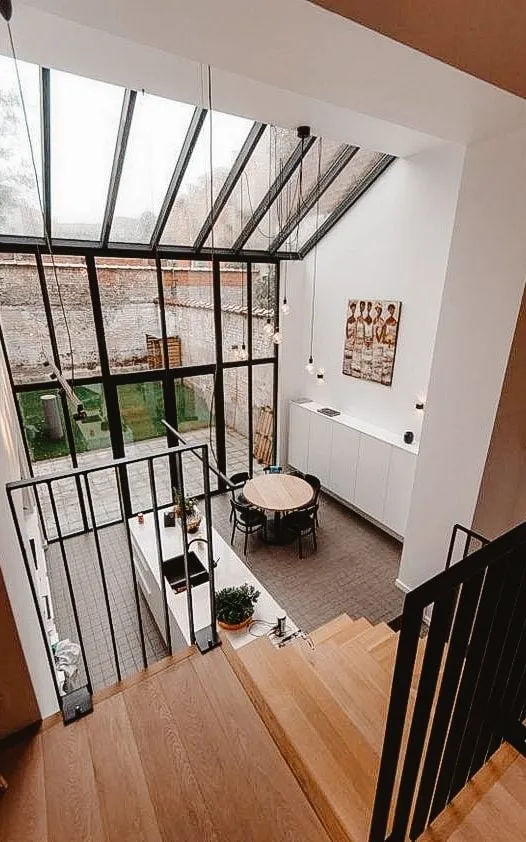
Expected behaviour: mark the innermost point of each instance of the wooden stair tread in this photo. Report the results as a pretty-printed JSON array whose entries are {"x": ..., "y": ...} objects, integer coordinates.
[
  {"x": 332, "y": 760},
  {"x": 350, "y": 632},
  {"x": 23, "y": 806},
  {"x": 339, "y": 624},
  {"x": 360, "y": 660}
]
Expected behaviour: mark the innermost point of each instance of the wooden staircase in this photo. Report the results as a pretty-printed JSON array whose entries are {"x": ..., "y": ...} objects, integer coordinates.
[{"x": 324, "y": 700}]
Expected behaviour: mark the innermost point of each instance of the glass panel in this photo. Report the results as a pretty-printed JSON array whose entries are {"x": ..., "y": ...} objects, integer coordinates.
[
  {"x": 189, "y": 307},
  {"x": 85, "y": 119},
  {"x": 196, "y": 421},
  {"x": 72, "y": 314},
  {"x": 357, "y": 168},
  {"x": 93, "y": 447},
  {"x": 236, "y": 418},
  {"x": 20, "y": 213},
  {"x": 262, "y": 415},
  {"x": 23, "y": 318},
  {"x": 234, "y": 311},
  {"x": 193, "y": 200},
  {"x": 141, "y": 408},
  {"x": 130, "y": 310},
  {"x": 263, "y": 303},
  {"x": 276, "y": 145},
  {"x": 158, "y": 129},
  {"x": 45, "y": 428},
  {"x": 287, "y": 201}
]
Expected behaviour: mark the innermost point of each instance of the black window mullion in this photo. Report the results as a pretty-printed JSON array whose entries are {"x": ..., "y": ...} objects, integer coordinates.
[
  {"x": 45, "y": 128},
  {"x": 219, "y": 386},
  {"x": 168, "y": 380},
  {"x": 250, "y": 373},
  {"x": 128, "y": 105},
  {"x": 275, "y": 382}
]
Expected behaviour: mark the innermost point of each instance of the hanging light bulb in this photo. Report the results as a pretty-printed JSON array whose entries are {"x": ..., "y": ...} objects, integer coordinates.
[
  {"x": 285, "y": 307},
  {"x": 309, "y": 368},
  {"x": 277, "y": 338},
  {"x": 268, "y": 329},
  {"x": 320, "y": 377},
  {"x": 243, "y": 353}
]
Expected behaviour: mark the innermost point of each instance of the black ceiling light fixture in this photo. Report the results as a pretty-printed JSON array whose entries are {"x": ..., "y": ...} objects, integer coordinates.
[{"x": 6, "y": 9}]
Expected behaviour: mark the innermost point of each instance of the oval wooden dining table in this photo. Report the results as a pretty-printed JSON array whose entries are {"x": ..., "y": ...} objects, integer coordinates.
[{"x": 277, "y": 493}]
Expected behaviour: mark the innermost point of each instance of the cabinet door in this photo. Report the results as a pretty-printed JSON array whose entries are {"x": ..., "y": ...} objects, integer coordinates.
[
  {"x": 320, "y": 440},
  {"x": 344, "y": 461},
  {"x": 371, "y": 476},
  {"x": 299, "y": 424},
  {"x": 399, "y": 489}
]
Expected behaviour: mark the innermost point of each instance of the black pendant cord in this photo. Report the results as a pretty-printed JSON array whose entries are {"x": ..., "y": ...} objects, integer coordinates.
[
  {"x": 315, "y": 268},
  {"x": 37, "y": 184}
]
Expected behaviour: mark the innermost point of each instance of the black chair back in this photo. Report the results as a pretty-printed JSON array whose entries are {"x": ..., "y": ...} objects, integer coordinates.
[
  {"x": 239, "y": 479},
  {"x": 315, "y": 484}
]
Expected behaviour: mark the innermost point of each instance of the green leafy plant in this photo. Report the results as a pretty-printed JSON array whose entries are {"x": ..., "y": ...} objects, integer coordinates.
[
  {"x": 189, "y": 503},
  {"x": 234, "y": 605}
]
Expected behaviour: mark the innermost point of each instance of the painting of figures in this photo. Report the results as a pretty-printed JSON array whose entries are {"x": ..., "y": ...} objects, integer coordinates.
[{"x": 371, "y": 334}]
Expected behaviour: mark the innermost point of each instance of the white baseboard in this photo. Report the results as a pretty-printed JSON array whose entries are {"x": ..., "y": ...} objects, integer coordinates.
[{"x": 402, "y": 586}]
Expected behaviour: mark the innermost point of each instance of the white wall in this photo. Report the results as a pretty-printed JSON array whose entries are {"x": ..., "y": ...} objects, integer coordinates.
[
  {"x": 393, "y": 244},
  {"x": 11, "y": 561},
  {"x": 482, "y": 294}
]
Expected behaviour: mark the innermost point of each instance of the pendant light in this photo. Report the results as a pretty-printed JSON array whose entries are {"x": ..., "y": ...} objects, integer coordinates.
[
  {"x": 285, "y": 307},
  {"x": 310, "y": 368}
]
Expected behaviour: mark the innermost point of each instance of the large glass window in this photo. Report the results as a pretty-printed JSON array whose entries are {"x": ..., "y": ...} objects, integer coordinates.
[
  {"x": 23, "y": 318},
  {"x": 263, "y": 309},
  {"x": 130, "y": 310},
  {"x": 85, "y": 119},
  {"x": 234, "y": 322},
  {"x": 226, "y": 135},
  {"x": 196, "y": 423},
  {"x": 236, "y": 419},
  {"x": 20, "y": 213},
  {"x": 158, "y": 129},
  {"x": 189, "y": 308},
  {"x": 262, "y": 415}
]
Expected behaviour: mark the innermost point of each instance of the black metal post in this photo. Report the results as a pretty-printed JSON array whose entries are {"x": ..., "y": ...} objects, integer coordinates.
[
  {"x": 45, "y": 123},
  {"x": 132, "y": 567},
  {"x": 103, "y": 577},
  {"x": 208, "y": 638},
  {"x": 158, "y": 542},
  {"x": 219, "y": 379},
  {"x": 65, "y": 562},
  {"x": 275, "y": 381},
  {"x": 189, "y": 601},
  {"x": 250, "y": 384},
  {"x": 169, "y": 391}
]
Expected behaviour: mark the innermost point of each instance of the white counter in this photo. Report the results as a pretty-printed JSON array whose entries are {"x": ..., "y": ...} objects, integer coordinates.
[{"x": 230, "y": 571}]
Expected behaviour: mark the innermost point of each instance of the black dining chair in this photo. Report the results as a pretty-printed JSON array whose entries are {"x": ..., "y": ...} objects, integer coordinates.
[
  {"x": 315, "y": 484},
  {"x": 247, "y": 520},
  {"x": 236, "y": 494},
  {"x": 303, "y": 523},
  {"x": 294, "y": 473}
]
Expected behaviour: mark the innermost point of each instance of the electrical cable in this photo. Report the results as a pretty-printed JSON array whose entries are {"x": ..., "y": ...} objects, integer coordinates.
[
  {"x": 40, "y": 200},
  {"x": 315, "y": 268}
]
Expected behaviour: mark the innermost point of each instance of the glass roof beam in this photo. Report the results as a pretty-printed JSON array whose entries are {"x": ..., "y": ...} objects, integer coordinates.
[
  {"x": 287, "y": 171},
  {"x": 312, "y": 197},
  {"x": 128, "y": 104},
  {"x": 347, "y": 203},
  {"x": 190, "y": 141},
  {"x": 45, "y": 124},
  {"x": 252, "y": 140}
]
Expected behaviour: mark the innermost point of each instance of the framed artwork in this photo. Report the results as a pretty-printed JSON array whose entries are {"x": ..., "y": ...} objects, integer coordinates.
[{"x": 371, "y": 335}]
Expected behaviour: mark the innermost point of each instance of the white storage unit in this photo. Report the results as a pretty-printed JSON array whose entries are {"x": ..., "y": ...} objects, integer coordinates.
[{"x": 365, "y": 466}]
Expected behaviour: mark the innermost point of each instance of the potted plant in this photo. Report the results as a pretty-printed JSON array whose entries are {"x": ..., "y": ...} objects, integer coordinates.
[
  {"x": 189, "y": 504},
  {"x": 235, "y": 606}
]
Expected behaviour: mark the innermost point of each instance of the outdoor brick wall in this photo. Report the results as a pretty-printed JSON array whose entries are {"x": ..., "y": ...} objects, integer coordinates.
[{"x": 130, "y": 308}]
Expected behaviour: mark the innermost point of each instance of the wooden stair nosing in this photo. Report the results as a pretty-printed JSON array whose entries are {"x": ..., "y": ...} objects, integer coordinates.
[{"x": 337, "y": 624}]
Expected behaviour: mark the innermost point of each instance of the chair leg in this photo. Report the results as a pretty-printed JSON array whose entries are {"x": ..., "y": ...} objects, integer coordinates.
[
  {"x": 246, "y": 541},
  {"x": 314, "y": 539},
  {"x": 233, "y": 533},
  {"x": 300, "y": 545}
]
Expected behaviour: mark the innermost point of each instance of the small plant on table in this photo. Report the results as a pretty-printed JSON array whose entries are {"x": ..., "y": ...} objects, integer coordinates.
[{"x": 235, "y": 606}]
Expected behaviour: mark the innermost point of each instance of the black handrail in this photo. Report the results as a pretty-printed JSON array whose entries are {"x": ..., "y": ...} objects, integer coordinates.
[{"x": 471, "y": 694}]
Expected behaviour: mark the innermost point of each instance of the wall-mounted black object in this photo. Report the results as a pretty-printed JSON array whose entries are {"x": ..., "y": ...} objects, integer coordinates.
[
  {"x": 409, "y": 437},
  {"x": 419, "y": 405}
]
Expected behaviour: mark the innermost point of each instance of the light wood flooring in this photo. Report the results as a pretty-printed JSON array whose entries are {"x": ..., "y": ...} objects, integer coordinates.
[{"x": 181, "y": 755}]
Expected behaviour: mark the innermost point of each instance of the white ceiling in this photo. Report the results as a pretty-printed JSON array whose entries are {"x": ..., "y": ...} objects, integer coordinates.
[{"x": 281, "y": 61}]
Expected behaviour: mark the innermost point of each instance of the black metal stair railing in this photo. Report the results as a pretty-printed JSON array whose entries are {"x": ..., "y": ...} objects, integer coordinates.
[
  {"x": 205, "y": 638},
  {"x": 471, "y": 694}
]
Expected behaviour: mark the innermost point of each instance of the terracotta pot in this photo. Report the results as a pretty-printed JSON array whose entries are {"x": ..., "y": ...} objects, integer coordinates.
[{"x": 235, "y": 626}]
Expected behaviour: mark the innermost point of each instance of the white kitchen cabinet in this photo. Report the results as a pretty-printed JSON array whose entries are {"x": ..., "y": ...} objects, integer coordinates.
[
  {"x": 299, "y": 427},
  {"x": 320, "y": 443},
  {"x": 370, "y": 468},
  {"x": 344, "y": 461},
  {"x": 399, "y": 490},
  {"x": 371, "y": 476}
]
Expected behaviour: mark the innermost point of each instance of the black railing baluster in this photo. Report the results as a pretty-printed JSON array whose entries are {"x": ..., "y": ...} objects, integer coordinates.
[
  {"x": 69, "y": 582},
  {"x": 396, "y": 716},
  {"x": 159, "y": 546},
  {"x": 436, "y": 640},
  {"x": 467, "y": 606},
  {"x": 132, "y": 567},
  {"x": 210, "y": 547},
  {"x": 189, "y": 600},
  {"x": 102, "y": 576}
]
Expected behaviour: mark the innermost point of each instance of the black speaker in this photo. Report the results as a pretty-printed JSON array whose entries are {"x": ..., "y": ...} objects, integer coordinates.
[{"x": 409, "y": 437}]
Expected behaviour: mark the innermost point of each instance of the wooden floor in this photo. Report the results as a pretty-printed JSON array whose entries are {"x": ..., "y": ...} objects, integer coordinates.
[{"x": 179, "y": 755}]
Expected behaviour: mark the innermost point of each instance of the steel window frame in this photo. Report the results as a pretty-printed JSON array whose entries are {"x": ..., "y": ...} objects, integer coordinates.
[{"x": 123, "y": 135}]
